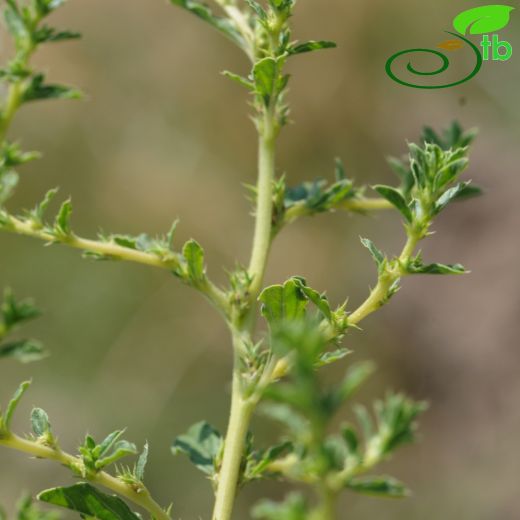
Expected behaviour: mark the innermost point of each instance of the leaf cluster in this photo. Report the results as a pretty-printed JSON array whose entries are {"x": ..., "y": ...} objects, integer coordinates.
[
  {"x": 307, "y": 409},
  {"x": 14, "y": 313},
  {"x": 93, "y": 458},
  {"x": 25, "y": 22},
  {"x": 263, "y": 33}
]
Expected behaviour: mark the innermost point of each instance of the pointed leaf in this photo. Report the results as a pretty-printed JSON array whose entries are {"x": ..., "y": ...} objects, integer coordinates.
[
  {"x": 449, "y": 196},
  {"x": 258, "y": 9},
  {"x": 320, "y": 300},
  {"x": 37, "y": 90},
  {"x": 194, "y": 255},
  {"x": 395, "y": 198},
  {"x": 88, "y": 501},
  {"x": 13, "y": 403},
  {"x": 141, "y": 463},
  {"x": 377, "y": 255},
  {"x": 24, "y": 351},
  {"x": 300, "y": 48},
  {"x": 62, "y": 222},
  {"x": 239, "y": 79},
  {"x": 224, "y": 25},
  {"x": 354, "y": 378},
  {"x": 379, "y": 486},
  {"x": 437, "y": 269},
  {"x": 202, "y": 443}
]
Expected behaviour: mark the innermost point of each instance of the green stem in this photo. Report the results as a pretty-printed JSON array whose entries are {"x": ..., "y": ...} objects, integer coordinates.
[
  {"x": 327, "y": 508},
  {"x": 14, "y": 225},
  {"x": 264, "y": 205},
  {"x": 12, "y": 103},
  {"x": 139, "y": 497},
  {"x": 379, "y": 294},
  {"x": 240, "y": 417},
  {"x": 242, "y": 408},
  {"x": 360, "y": 205}
]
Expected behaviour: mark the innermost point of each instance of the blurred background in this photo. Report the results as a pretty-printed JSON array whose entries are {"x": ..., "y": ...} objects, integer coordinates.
[{"x": 163, "y": 135}]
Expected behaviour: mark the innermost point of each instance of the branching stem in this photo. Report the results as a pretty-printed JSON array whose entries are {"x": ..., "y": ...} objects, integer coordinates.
[
  {"x": 170, "y": 263},
  {"x": 141, "y": 498}
]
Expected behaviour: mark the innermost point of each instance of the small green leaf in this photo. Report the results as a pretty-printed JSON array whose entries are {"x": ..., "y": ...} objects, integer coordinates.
[
  {"x": 8, "y": 183},
  {"x": 17, "y": 26},
  {"x": 293, "y": 508},
  {"x": 364, "y": 419},
  {"x": 40, "y": 422},
  {"x": 239, "y": 79},
  {"x": 202, "y": 444},
  {"x": 354, "y": 378},
  {"x": 62, "y": 222},
  {"x": 327, "y": 358},
  {"x": 24, "y": 351},
  {"x": 377, "y": 255},
  {"x": 258, "y": 9},
  {"x": 378, "y": 486},
  {"x": 38, "y": 213},
  {"x": 265, "y": 74},
  {"x": 37, "y": 90},
  {"x": 350, "y": 437},
  {"x": 482, "y": 20},
  {"x": 436, "y": 269},
  {"x": 194, "y": 255},
  {"x": 468, "y": 191},
  {"x": 285, "y": 302},
  {"x": 120, "y": 449},
  {"x": 339, "y": 170},
  {"x": 258, "y": 464},
  {"x": 300, "y": 48},
  {"x": 108, "y": 443},
  {"x": 15, "y": 312},
  {"x": 395, "y": 198},
  {"x": 396, "y": 416},
  {"x": 49, "y": 35},
  {"x": 141, "y": 463},
  {"x": 319, "y": 300},
  {"x": 224, "y": 25},
  {"x": 89, "y": 502},
  {"x": 13, "y": 403},
  {"x": 449, "y": 196},
  {"x": 27, "y": 510}
]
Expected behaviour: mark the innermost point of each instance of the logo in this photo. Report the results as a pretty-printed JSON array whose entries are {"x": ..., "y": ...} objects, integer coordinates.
[{"x": 478, "y": 21}]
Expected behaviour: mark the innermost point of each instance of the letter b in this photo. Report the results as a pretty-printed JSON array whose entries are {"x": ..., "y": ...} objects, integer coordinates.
[{"x": 499, "y": 55}]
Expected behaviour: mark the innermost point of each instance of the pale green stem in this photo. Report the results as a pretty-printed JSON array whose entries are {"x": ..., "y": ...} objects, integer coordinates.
[
  {"x": 12, "y": 103},
  {"x": 356, "y": 205},
  {"x": 117, "y": 252},
  {"x": 240, "y": 417},
  {"x": 264, "y": 205},
  {"x": 327, "y": 508},
  {"x": 140, "y": 496},
  {"x": 242, "y": 408},
  {"x": 378, "y": 295}
]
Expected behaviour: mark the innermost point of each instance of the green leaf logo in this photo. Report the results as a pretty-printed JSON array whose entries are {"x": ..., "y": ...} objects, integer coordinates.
[{"x": 481, "y": 20}]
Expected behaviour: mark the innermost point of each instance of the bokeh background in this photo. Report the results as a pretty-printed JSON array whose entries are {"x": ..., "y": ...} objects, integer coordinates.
[{"x": 163, "y": 135}]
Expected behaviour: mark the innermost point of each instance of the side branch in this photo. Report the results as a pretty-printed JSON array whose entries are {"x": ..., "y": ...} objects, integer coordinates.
[
  {"x": 141, "y": 497},
  {"x": 170, "y": 261},
  {"x": 355, "y": 205}
]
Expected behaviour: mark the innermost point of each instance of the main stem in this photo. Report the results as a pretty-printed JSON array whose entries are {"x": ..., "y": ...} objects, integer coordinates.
[
  {"x": 241, "y": 407},
  {"x": 264, "y": 204},
  {"x": 240, "y": 417}
]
